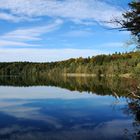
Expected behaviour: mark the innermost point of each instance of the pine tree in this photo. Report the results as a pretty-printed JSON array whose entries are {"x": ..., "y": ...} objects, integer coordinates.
[{"x": 131, "y": 20}]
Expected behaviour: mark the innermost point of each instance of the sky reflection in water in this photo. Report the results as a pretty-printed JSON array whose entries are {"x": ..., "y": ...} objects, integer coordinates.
[{"x": 42, "y": 113}]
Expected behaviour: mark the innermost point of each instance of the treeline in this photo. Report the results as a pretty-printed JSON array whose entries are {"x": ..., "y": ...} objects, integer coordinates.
[
  {"x": 121, "y": 87},
  {"x": 115, "y": 64}
]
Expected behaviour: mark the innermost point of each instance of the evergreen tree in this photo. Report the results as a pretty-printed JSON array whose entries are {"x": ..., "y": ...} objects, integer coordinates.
[{"x": 131, "y": 20}]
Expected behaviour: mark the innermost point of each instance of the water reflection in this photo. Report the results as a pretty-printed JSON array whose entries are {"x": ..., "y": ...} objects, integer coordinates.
[
  {"x": 38, "y": 109},
  {"x": 98, "y": 85},
  {"x": 72, "y": 118}
]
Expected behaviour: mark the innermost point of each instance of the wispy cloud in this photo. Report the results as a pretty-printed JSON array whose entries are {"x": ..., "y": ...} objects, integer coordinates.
[
  {"x": 84, "y": 11},
  {"x": 43, "y": 55},
  {"x": 21, "y": 37},
  {"x": 9, "y": 17},
  {"x": 14, "y": 18},
  {"x": 4, "y": 43},
  {"x": 79, "y": 33},
  {"x": 112, "y": 44}
]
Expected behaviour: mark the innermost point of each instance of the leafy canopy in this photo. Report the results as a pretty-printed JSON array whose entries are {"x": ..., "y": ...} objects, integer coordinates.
[{"x": 131, "y": 20}]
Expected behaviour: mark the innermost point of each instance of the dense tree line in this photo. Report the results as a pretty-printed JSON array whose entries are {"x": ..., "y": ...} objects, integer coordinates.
[
  {"x": 115, "y": 64},
  {"x": 98, "y": 85}
]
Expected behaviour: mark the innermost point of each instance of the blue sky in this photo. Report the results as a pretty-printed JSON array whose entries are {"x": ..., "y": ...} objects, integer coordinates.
[{"x": 52, "y": 30}]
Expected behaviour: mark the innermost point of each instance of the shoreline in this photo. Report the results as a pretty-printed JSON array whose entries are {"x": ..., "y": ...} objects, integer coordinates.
[{"x": 126, "y": 75}]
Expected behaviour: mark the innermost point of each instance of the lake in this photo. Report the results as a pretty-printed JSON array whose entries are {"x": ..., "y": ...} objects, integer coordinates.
[{"x": 68, "y": 108}]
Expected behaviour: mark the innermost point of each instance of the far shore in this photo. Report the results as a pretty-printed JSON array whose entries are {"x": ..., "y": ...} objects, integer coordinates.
[{"x": 126, "y": 75}]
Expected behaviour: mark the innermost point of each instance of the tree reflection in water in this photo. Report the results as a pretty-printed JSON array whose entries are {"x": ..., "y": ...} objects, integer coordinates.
[
  {"x": 117, "y": 87},
  {"x": 133, "y": 109}
]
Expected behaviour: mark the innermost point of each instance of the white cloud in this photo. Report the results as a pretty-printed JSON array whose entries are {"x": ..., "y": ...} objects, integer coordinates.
[
  {"x": 44, "y": 55},
  {"x": 20, "y": 37},
  {"x": 9, "y": 17},
  {"x": 79, "y": 33},
  {"x": 74, "y": 10},
  {"x": 4, "y": 43},
  {"x": 112, "y": 44}
]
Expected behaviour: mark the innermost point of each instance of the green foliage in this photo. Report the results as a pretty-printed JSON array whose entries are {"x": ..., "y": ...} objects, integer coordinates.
[
  {"x": 114, "y": 64},
  {"x": 96, "y": 85},
  {"x": 137, "y": 69},
  {"x": 131, "y": 20}
]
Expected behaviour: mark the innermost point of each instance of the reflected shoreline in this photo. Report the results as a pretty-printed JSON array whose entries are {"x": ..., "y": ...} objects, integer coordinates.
[
  {"x": 57, "y": 107},
  {"x": 114, "y": 86}
]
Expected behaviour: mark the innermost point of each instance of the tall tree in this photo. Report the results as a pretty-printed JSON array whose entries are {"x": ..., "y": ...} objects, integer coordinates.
[{"x": 131, "y": 20}]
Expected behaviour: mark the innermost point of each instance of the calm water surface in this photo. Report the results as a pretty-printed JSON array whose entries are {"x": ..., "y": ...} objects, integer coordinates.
[{"x": 56, "y": 113}]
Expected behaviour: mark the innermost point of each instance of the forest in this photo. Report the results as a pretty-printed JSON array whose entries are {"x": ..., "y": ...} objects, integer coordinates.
[
  {"x": 117, "y": 64},
  {"x": 118, "y": 87}
]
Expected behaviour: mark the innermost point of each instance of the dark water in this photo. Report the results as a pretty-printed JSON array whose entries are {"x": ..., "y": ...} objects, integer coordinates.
[{"x": 68, "y": 109}]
